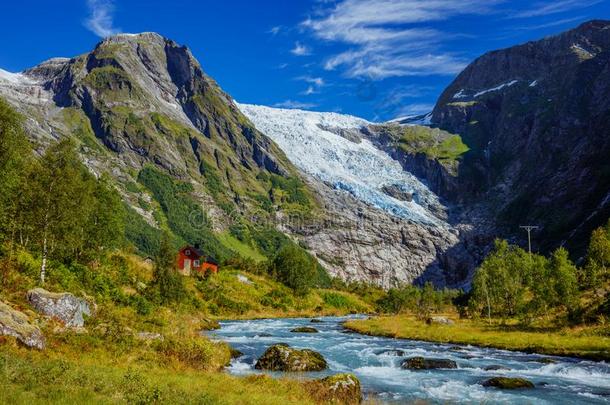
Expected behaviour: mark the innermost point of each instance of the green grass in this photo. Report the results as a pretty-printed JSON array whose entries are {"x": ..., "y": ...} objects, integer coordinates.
[
  {"x": 241, "y": 248},
  {"x": 577, "y": 342}
]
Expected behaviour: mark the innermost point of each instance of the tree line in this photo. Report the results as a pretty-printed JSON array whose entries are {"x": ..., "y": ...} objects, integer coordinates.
[{"x": 51, "y": 204}]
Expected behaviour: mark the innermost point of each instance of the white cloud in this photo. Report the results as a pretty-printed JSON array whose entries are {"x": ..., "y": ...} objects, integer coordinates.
[
  {"x": 554, "y": 7},
  {"x": 100, "y": 20},
  {"x": 382, "y": 41},
  {"x": 414, "y": 109},
  {"x": 275, "y": 30},
  {"x": 309, "y": 91},
  {"x": 317, "y": 81},
  {"x": 294, "y": 104},
  {"x": 300, "y": 49}
]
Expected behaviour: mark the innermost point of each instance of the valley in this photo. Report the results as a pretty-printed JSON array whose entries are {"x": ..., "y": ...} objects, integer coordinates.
[{"x": 332, "y": 238}]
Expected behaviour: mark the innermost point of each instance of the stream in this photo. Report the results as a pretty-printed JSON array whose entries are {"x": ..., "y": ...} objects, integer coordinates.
[{"x": 565, "y": 380}]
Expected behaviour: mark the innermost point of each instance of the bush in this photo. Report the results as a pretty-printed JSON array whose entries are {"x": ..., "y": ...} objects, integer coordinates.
[
  {"x": 196, "y": 352},
  {"x": 295, "y": 268}
]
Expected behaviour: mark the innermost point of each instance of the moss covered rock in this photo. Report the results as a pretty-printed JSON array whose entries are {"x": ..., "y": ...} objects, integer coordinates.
[
  {"x": 16, "y": 324},
  {"x": 508, "y": 383},
  {"x": 304, "y": 329},
  {"x": 281, "y": 357},
  {"x": 336, "y": 389},
  {"x": 421, "y": 363}
]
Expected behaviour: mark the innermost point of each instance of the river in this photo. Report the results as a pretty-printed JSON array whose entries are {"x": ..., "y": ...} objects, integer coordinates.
[{"x": 566, "y": 380}]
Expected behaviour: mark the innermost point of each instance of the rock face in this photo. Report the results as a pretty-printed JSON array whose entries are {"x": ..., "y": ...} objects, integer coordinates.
[
  {"x": 337, "y": 389},
  {"x": 281, "y": 357},
  {"x": 62, "y": 306},
  {"x": 421, "y": 363},
  {"x": 508, "y": 383},
  {"x": 535, "y": 117},
  {"x": 16, "y": 324}
]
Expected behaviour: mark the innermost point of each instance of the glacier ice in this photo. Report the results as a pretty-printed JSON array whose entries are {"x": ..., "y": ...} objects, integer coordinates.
[{"x": 355, "y": 167}]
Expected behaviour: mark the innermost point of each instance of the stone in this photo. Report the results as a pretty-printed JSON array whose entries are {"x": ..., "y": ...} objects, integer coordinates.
[
  {"x": 304, "y": 329},
  {"x": 336, "y": 389},
  {"x": 281, "y": 357},
  {"x": 16, "y": 324},
  {"x": 508, "y": 383},
  {"x": 316, "y": 321},
  {"x": 235, "y": 353},
  {"x": 495, "y": 367},
  {"x": 421, "y": 363},
  {"x": 391, "y": 352},
  {"x": 64, "y": 307},
  {"x": 439, "y": 320},
  {"x": 148, "y": 336},
  {"x": 546, "y": 360}
]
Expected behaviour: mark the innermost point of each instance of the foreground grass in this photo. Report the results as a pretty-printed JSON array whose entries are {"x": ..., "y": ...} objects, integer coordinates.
[
  {"x": 560, "y": 342},
  {"x": 33, "y": 377}
]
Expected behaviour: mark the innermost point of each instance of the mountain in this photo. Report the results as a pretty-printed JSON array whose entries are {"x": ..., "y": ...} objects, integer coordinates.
[
  {"x": 182, "y": 154},
  {"x": 520, "y": 137},
  {"x": 382, "y": 224},
  {"x": 536, "y": 118}
]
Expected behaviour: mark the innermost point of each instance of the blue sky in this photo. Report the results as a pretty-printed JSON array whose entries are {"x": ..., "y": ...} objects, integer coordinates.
[{"x": 377, "y": 59}]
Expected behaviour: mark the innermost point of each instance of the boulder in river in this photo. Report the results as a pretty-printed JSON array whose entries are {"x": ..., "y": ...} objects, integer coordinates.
[
  {"x": 391, "y": 352},
  {"x": 281, "y": 357},
  {"x": 62, "y": 306},
  {"x": 16, "y": 324},
  {"x": 304, "y": 329},
  {"x": 336, "y": 389},
  {"x": 495, "y": 367},
  {"x": 421, "y": 363},
  {"x": 508, "y": 383},
  {"x": 316, "y": 321}
]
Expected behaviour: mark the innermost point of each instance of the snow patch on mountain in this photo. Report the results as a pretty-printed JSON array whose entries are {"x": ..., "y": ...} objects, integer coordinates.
[
  {"x": 358, "y": 168},
  {"x": 14, "y": 78}
]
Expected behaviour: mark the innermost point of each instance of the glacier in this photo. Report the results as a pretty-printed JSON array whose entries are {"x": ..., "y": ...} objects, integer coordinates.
[{"x": 354, "y": 166}]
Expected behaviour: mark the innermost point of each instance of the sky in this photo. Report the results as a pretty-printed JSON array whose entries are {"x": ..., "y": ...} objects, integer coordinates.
[{"x": 376, "y": 59}]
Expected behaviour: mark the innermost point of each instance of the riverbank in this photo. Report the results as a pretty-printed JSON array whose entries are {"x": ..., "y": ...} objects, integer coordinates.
[{"x": 581, "y": 342}]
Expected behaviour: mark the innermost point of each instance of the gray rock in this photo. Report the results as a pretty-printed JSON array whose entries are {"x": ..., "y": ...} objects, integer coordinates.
[
  {"x": 16, "y": 324},
  {"x": 508, "y": 383},
  {"x": 495, "y": 367},
  {"x": 62, "y": 306},
  {"x": 421, "y": 363},
  {"x": 439, "y": 320},
  {"x": 148, "y": 336}
]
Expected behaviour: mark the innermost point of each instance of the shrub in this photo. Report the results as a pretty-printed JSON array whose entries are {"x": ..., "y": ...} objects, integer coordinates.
[{"x": 295, "y": 268}]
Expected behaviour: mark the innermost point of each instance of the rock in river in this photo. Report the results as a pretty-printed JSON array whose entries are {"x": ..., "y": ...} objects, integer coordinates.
[
  {"x": 336, "y": 389},
  {"x": 16, "y": 324},
  {"x": 508, "y": 383},
  {"x": 304, "y": 329},
  {"x": 281, "y": 357},
  {"x": 63, "y": 306},
  {"x": 421, "y": 363}
]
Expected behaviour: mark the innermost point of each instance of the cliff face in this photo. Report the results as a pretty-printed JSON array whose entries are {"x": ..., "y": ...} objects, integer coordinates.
[{"x": 536, "y": 118}]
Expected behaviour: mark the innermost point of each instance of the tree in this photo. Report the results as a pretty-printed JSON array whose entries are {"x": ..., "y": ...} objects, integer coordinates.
[
  {"x": 295, "y": 268},
  {"x": 15, "y": 154},
  {"x": 60, "y": 203},
  {"x": 555, "y": 285},
  {"x": 499, "y": 287},
  {"x": 597, "y": 267},
  {"x": 167, "y": 284}
]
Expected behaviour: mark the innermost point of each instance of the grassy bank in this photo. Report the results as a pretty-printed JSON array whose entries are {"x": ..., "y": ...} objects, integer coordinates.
[
  {"x": 576, "y": 342},
  {"x": 30, "y": 377}
]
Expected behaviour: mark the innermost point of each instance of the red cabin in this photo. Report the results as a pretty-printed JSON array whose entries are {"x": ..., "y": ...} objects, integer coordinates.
[{"x": 192, "y": 259}]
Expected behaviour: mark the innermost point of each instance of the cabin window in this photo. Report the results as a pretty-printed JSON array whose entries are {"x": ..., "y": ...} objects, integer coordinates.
[
  {"x": 196, "y": 263},
  {"x": 187, "y": 252}
]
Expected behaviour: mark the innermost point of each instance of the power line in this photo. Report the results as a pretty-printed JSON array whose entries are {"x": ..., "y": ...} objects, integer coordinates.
[{"x": 529, "y": 229}]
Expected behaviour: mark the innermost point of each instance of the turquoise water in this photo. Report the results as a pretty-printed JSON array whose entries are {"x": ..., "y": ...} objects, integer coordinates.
[{"x": 567, "y": 380}]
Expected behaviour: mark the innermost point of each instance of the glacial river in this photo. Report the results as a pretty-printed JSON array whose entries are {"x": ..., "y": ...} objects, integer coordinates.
[{"x": 376, "y": 361}]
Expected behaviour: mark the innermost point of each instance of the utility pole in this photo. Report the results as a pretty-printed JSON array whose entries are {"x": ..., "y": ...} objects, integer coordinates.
[{"x": 529, "y": 229}]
